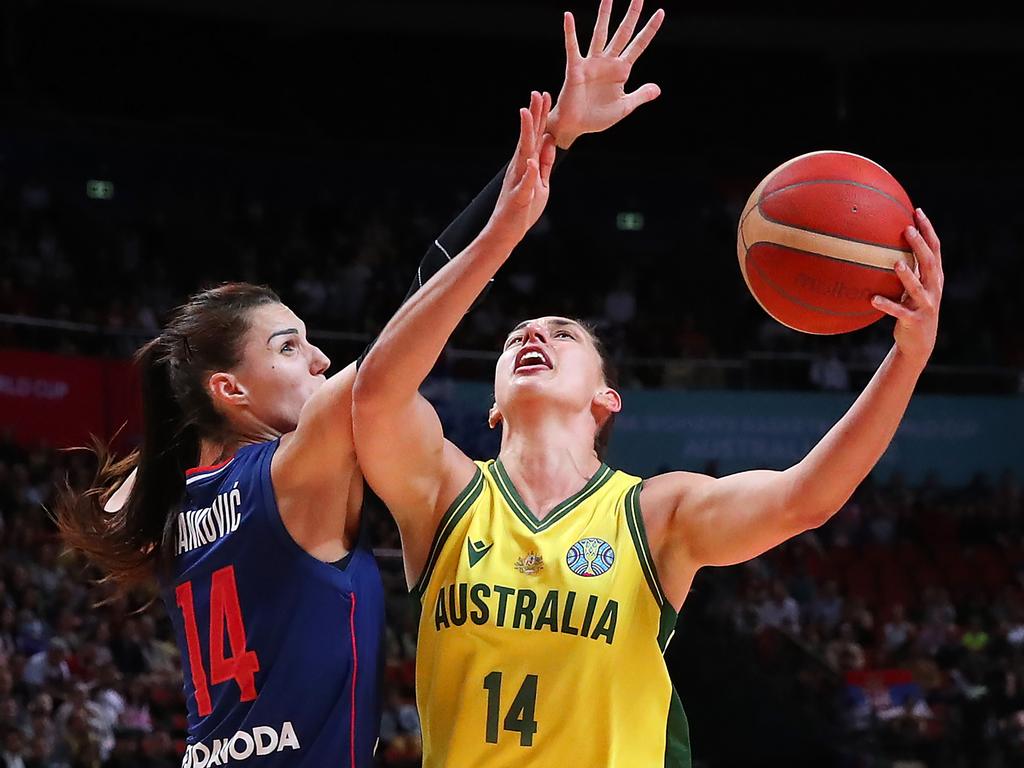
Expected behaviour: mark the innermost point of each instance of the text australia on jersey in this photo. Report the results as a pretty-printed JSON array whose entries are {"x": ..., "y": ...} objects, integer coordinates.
[{"x": 566, "y": 612}]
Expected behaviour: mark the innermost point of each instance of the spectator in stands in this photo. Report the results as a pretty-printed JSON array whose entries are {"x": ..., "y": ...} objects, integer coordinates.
[
  {"x": 830, "y": 372},
  {"x": 136, "y": 715},
  {"x": 40, "y": 725},
  {"x": 897, "y": 633},
  {"x": 827, "y": 609},
  {"x": 127, "y": 751},
  {"x": 975, "y": 639},
  {"x": 779, "y": 610},
  {"x": 158, "y": 750},
  {"x": 844, "y": 653},
  {"x": 13, "y": 749},
  {"x": 400, "y": 729},
  {"x": 48, "y": 670}
]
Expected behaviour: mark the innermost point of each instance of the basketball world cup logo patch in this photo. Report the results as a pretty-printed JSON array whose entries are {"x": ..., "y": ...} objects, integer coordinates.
[{"x": 590, "y": 557}]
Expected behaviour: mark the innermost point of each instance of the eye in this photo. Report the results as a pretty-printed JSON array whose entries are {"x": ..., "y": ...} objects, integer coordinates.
[
  {"x": 564, "y": 335},
  {"x": 513, "y": 340},
  {"x": 288, "y": 346}
]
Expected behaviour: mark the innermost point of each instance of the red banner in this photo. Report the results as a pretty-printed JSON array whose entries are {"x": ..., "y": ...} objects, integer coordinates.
[{"x": 61, "y": 401}]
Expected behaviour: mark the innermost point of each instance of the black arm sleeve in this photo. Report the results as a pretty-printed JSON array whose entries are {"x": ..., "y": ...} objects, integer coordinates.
[{"x": 457, "y": 235}]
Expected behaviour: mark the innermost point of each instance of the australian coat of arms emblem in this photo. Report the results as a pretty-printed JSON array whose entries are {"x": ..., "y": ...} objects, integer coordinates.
[{"x": 530, "y": 563}]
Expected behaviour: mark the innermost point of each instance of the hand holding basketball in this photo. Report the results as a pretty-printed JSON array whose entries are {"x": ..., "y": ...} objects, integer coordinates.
[
  {"x": 593, "y": 96},
  {"x": 917, "y": 315}
]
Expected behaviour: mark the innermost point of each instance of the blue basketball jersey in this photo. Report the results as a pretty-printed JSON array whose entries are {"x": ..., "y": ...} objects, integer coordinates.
[{"x": 281, "y": 652}]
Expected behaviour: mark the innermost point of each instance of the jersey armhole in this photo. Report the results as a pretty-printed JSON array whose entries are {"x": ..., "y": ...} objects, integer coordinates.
[
  {"x": 447, "y": 524},
  {"x": 271, "y": 516},
  {"x": 270, "y": 511},
  {"x": 635, "y": 520}
]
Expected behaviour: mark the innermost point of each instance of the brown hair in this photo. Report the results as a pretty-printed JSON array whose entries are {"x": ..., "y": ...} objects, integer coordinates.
[
  {"x": 203, "y": 336},
  {"x": 611, "y": 378}
]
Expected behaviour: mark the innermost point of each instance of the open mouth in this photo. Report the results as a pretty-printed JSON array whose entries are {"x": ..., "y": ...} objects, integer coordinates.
[{"x": 532, "y": 359}]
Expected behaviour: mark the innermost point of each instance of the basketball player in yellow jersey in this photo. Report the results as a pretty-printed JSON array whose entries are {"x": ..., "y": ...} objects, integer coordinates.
[{"x": 550, "y": 582}]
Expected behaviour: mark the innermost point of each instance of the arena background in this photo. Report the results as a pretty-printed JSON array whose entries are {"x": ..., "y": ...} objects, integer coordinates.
[{"x": 149, "y": 148}]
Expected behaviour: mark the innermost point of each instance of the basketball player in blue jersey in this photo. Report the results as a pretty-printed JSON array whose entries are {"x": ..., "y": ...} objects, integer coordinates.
[{"x": 244, "y": 497}]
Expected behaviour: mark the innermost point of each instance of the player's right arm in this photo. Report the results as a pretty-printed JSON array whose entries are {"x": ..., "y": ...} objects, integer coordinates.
[{"x": 399, "y": 441}]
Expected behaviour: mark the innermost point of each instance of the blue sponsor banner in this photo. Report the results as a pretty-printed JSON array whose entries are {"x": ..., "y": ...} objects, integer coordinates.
[{"x": 658, "y": 431}]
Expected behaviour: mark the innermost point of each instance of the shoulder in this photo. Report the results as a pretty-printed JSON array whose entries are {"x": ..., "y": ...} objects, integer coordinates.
[
  {"x": 320, "y": 450},
  {"x": 668, "y": 504},
  {"x": 669, "y": 492}
]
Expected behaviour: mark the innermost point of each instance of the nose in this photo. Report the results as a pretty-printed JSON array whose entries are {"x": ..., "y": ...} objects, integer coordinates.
[
  {"x": 534, "y": 331},
  {"x": 320, "y": 362}
]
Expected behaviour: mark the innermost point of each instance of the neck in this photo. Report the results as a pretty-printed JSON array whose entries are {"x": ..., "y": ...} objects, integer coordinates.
[
  {"x": 548, "y": 458},
  {"x": 215, "y": 451}
]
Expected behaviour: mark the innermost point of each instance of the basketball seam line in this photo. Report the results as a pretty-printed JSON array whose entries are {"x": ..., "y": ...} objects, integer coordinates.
[
  {"x": 849, "y": 182},
  {"x": 766, "y": 217},
  {"x": 815, "y": 253},
  {"x": 805, "y": 305}
]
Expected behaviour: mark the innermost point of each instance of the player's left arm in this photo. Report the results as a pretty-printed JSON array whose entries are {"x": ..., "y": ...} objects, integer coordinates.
[{"x": 735, "y": 518}]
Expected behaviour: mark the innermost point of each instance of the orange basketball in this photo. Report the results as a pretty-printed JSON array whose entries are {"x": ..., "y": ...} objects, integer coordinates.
[{"x": 820, "y": 236}]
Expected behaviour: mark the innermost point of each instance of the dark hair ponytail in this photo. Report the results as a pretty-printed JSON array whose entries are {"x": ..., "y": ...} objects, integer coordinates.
[{"x": 132, "y": 544}]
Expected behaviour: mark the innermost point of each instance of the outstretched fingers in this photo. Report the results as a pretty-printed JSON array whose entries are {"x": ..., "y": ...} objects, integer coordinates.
[
  {"x": 524, "y": 144},
  {"x": 642, "y": 40},
  {"x": 534, "y": 150},
  {"x": 547, "y": 158},
  {"x": 597, "y": 42},
  {"x": 540, "y": 118},
  {"x": 625, "y": 31},
  {"x": 572, "y": 43},
  {"x": 523, "y": 191}
]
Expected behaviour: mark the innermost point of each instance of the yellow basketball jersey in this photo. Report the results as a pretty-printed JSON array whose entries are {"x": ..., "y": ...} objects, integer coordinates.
[{"x": 541, "y": 642}]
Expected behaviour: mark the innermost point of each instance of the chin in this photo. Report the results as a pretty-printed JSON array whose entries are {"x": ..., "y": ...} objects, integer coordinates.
[{"x": 529, "y": 384}]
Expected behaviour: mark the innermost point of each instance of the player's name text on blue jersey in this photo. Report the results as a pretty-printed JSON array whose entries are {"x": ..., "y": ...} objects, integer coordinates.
[
  {"x": 569, "y": 613},
  {"x": 261, "y": 740},
  {"x": 199, "y": 527}
]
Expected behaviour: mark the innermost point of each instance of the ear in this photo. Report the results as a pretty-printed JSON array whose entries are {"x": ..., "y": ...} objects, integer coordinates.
[
  {"x": 493, "y": 416},
  {"x": 226, "y": 390},
  {"x": 605, "y": 403}
]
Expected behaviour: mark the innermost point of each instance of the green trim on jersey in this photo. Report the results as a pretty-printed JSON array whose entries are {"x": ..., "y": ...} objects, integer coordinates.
[
  {"x": 516, "y": 503},
  {"x": 677, "y": 729},
  {"x": 448, "y": 522},
  {"x": 635, "y": 519},
  {"x": 677, "y": 736}
]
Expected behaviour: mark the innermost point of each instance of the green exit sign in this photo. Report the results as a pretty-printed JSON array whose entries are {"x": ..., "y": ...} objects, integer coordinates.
[
  {"x": 629, "y": 221},
  {"x": 98, "y": 189}
]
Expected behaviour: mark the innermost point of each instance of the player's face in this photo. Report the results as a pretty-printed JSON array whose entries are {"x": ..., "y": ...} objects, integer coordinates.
[
  {"x": 549, "y": 357},
  {"x": 280, "y": 368}
]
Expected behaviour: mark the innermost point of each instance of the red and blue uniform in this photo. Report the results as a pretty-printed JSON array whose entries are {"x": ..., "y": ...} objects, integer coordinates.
[{"x": 281, "y": 652}]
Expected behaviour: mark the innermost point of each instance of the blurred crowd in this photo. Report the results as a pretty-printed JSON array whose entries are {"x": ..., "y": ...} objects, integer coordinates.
[
  {"x": 89, "y": 678},
  {"x": 910, "y": 603},
  {"x": 342, "y": 260}
]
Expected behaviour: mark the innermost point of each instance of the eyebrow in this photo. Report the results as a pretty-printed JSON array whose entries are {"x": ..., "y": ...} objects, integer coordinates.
[
  {"x": 554, "y": 321},
  {"x": 285, "y": 332}
]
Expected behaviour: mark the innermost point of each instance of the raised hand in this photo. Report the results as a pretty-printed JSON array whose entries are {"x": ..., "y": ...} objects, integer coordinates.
[
  {"x": 917, "y": 315},
  {"x": 593, "y": 96},
  {"x": 524, "y": 191}
]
